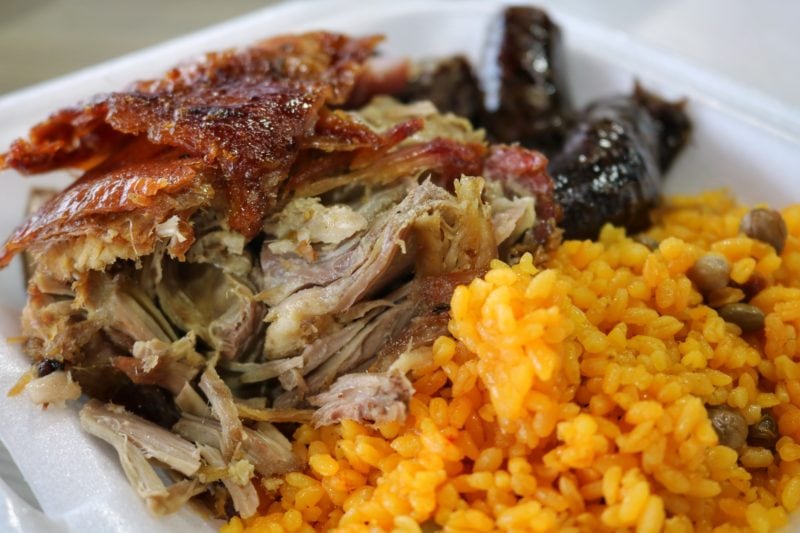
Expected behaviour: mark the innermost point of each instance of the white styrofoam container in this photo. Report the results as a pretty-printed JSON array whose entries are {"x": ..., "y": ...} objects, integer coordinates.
[{"x": 738, "y": 142}]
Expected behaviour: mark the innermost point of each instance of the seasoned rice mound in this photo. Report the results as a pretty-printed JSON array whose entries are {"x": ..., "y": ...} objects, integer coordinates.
[{"x": 574, "y": 398}]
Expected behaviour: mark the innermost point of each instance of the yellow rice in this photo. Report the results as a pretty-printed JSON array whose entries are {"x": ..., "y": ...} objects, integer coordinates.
[{"x": 573, "y": 398}]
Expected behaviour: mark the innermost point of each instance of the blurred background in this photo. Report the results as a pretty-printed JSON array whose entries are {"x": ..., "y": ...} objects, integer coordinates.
[
  {"x": 42, "y": 39},
  {"x": 754, "y": 44}
]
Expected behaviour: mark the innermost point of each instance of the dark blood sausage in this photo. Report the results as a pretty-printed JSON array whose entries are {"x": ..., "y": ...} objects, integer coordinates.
[
  {"x": 672, "y": 124},
  {"x": 611, "y": 165},
  {"x": 450, "y": 84},
  {"x": 529, "y": 103}
]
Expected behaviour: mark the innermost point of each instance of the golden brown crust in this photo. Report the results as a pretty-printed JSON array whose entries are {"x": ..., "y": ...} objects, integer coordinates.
[
  {"x": 73, "y": 137},
  {"x": 116, "y": 214},
  {"x": 246, "y": 114}
]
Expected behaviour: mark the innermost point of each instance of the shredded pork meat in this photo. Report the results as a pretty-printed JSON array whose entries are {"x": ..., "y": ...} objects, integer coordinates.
[
  {"x": 242, "y": 249},
  {"x": 372, "y": 398},
  {"x": 136, "y": 441}
]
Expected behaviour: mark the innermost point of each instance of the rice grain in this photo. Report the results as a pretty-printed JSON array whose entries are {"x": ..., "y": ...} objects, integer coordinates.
[{"x": 575, "y": 397}]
